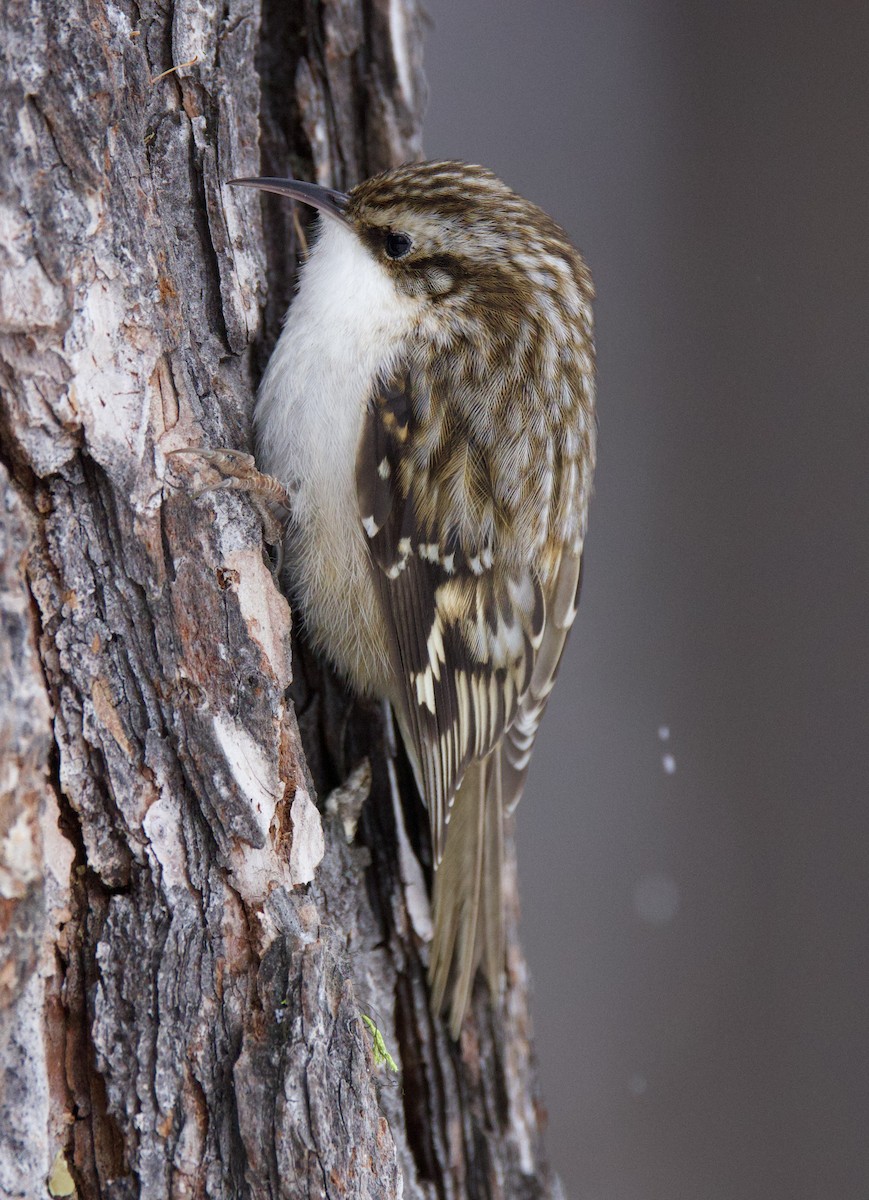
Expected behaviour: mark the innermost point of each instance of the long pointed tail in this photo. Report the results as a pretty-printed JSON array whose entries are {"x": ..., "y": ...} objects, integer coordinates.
[{"x": 468, "y": 905}]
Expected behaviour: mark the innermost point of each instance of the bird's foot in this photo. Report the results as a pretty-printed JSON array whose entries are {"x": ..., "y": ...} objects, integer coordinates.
[{"x": 236, "y": 471}]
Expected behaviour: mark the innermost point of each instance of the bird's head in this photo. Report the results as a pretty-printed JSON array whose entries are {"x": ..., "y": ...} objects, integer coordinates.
[{"x": 451, "y": 234}]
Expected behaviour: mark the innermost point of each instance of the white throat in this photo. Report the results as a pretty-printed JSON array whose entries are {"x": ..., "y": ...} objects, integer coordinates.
[{"x": 347, "y": 322}]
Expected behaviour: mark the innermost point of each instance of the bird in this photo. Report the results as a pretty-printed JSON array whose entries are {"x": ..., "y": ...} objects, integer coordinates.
[{"x": 429, "y": 407}]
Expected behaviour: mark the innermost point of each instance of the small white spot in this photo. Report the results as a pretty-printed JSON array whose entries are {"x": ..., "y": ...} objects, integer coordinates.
[
  {"x": 424, "y": 683},
  {"x": 638, "y": 1085},
  {"x": 668, "y": 762},
  {"x": 656, "y": 899},
  {"x": 384, "y": 470},
  {"x": 370, "y": 526},
  {"x": 435, "y": 646},
  {"x": 664, "y": 732}
]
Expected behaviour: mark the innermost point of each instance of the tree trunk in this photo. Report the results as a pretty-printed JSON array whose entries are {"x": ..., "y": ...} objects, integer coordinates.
[{"x": 195, "y": 914}]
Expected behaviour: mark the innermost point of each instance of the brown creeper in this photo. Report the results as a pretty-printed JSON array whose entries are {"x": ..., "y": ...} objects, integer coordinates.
[{"x": 430, "y": 408}]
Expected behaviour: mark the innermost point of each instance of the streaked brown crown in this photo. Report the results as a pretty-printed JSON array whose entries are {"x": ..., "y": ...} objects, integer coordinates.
[{"x": 469, "y": 231}]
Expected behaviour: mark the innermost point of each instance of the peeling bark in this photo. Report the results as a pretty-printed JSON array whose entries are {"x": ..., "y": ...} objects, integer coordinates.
[{"x": 196, "y": 911}]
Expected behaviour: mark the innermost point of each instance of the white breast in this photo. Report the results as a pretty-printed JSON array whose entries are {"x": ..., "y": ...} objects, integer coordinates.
[{"x": 346, "y": 324}]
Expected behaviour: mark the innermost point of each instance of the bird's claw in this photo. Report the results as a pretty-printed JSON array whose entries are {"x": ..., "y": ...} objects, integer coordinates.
[{"x": 235, "y": 470}]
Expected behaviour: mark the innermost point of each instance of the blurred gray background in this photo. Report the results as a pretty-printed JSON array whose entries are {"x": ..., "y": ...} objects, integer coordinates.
[{"x": 699, "y": 935}]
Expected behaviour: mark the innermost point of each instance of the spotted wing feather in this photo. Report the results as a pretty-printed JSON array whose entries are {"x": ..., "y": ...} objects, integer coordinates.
[{"x": 463, "y": 639}]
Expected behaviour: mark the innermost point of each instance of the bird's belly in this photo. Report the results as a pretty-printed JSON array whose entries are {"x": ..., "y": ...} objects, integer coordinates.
[
  {"x": 309, "y": 422},
  {"x": 329, "y": 578}
]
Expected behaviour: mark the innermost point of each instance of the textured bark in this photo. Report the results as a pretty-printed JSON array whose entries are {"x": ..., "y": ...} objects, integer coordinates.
[{"x": 195, "y": 912}]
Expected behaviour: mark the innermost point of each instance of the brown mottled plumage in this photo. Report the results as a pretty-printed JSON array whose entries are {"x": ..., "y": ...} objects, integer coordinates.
[{"x": 430, "y": 406}]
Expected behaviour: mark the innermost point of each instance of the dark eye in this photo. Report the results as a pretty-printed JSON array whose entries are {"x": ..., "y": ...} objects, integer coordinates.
[{"x": 397, "y": 245}]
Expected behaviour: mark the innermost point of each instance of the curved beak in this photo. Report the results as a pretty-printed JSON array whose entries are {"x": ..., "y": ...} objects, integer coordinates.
[{"x": 325, "y": 200}]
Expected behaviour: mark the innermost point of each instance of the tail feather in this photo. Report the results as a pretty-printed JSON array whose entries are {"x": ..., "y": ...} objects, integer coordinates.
[
  {"x": 491, "y": 924},
  {"x": 468, "y": 908}
]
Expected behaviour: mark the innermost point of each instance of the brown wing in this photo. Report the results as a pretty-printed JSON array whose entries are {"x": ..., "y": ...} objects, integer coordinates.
[
  {"x": 450, "y": 492},
  {"x": 464, "y": 638}
]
